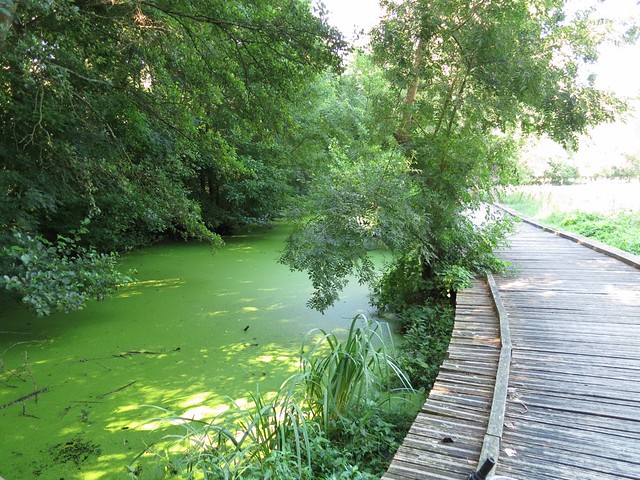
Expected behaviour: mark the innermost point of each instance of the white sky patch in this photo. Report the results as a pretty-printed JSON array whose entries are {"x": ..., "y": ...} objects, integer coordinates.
[
  {"x": 618, "y": 67},
  {"x": 351, "y": 16}
]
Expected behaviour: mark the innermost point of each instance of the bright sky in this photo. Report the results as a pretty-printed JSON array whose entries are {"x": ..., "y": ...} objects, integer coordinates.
[
  {"x": 350, "y": 16},
  {"x": 618, "y": 67}
]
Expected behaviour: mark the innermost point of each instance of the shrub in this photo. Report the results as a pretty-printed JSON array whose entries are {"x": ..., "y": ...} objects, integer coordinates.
[
  {"x": 621, "y": 230},
  {"x": 59, "y": 275},
  {"x": 561, "y": 173},
  {"x": 426, "y": 341}
]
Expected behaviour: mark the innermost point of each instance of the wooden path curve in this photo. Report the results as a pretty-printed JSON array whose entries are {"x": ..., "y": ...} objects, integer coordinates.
[
  {"x": 572, "y": 407},
  {"x": 447, "y": 435}
]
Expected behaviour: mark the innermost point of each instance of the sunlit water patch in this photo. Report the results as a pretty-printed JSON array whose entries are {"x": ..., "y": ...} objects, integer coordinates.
[{"x": 193, "y": 333}]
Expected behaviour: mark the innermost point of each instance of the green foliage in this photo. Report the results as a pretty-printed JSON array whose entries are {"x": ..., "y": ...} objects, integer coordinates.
[
  {"x": 453, "y": 278},
  {"x": 427, "y": 331},
  {"x": 402, "y": 284},
  {"x": 465, "y": 81},
  {"x": 360, "y": 204},
  {"x": 561, "y": 173},
  {"x": 621, "y": 230},
  {"x": 362, "y": 445},
  {"x": 492, "y": 66},
  {"x": 7, "y": 10},
  {"x": 334, "y": 419},
  {"x": 61, "y": 275},
  {"x": 628, "y": 171},
  {"x": 462, "y": 248},
  {"x": 103, "y": 108},
  {"x": 341, "y": 376},
  {"x": 268, "y": 440},
  {"x": 157, "y": 119}
]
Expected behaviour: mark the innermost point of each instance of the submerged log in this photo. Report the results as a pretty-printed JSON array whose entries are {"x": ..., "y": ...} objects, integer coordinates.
[{"x": 26, "y": 397}]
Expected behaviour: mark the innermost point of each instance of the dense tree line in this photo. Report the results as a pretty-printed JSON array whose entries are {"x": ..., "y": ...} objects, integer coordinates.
[
  {"x": 127, "y": 121},
  {"x": 123, "y": 122}
]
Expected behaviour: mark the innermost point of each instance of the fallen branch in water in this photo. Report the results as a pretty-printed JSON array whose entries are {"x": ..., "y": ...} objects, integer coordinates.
[
  {"x": 26, "y": 397},
  {"x": 20, "y": 343},
  {"x": 116, "y": 390},
  {"x": 129, "y": 353}
]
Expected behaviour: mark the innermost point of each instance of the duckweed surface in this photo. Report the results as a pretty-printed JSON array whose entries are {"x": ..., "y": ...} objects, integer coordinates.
[{"x": 193, "y": 333}]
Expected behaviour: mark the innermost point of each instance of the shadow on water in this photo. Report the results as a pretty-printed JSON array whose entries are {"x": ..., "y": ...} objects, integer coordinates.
[{"x": 194, "y": 332}]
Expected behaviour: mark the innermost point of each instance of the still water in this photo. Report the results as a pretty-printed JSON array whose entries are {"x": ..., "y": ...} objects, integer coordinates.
[{"x": 193, "y": 333}]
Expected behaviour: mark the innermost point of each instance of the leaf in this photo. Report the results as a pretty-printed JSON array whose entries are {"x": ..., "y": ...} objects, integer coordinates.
[{"x": 26, "y": 258}]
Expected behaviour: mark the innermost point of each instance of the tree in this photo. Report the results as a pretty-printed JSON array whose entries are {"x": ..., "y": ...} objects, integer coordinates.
[
  {"x": 469, "y": 79},
  {"x": 561, "y": 173},
  {"x": 628, "y": 171},
  {"x": 149, "y": 118}
]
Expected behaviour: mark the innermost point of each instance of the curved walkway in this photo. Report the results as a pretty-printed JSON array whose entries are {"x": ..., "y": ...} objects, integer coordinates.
[
  {"x": 446, "y": 438},
  {"x": 573, "y": 392}
]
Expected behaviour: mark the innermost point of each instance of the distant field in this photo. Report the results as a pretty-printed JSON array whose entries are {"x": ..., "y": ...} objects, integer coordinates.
[
  {"x": 596, "y": 197},
  {"x": 609, "y": 212}
]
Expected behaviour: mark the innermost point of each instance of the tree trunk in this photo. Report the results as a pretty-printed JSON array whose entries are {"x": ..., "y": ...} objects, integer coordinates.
[{"x": 403, "y": 134}]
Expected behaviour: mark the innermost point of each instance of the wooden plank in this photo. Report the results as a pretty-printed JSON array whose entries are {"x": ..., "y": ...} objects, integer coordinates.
[
  {"x": 493, "y": 436},
  {"x": 575, "y": 372},
  {"x": 573, "y": 390},
  {"x": 445, "y": 440},
  {"x": 597, "y": 425}
]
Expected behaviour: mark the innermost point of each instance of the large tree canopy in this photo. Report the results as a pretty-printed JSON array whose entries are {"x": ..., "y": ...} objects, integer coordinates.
[
  {"x": 469, "y": 79},
  {"x": 124, "y": 121},
  {"x": 140, "y": 118},
  {"x": 129, "y": 111}
]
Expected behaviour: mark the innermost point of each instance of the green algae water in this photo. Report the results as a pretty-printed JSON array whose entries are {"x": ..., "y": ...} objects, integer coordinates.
[{"x": 193, "y": 333}]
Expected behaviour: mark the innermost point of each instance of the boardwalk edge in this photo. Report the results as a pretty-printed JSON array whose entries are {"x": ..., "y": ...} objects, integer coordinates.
[
  {"x": 626, "y": 257},
  {"x": 493, "y": 436}
]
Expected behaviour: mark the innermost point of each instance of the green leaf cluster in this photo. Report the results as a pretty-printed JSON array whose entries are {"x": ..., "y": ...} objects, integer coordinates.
[
  {"x": 156, "y": 119},
  {"x": 427, "y": 332},
  {"x": 449, "y": 91},
  {"x": 57, "y": 276},
  {"x": 561, "y": 173}
]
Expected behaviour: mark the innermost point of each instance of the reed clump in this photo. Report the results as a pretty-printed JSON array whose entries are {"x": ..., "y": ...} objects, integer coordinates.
[{"x": 340, "y": 416}]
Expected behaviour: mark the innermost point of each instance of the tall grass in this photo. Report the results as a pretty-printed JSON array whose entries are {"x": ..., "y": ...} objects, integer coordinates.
[
  {"x": 339, "y": 375},
  {"x": 280, "y": 437},
  {"x": 271, "y": 436}
]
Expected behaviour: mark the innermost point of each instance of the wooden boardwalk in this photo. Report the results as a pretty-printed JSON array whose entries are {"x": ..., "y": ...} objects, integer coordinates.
[
  {"x": 573, "y": 398},
  {"x": 446, "y": 439},
  {"x": 573, "y": 410}
]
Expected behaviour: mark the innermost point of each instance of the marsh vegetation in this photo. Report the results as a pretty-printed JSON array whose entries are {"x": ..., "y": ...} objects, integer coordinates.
[{"x": 140, "y": 137}]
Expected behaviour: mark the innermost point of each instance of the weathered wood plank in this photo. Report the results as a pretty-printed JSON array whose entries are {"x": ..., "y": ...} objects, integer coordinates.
[
  {"x": 573, "y": 407},
  {"x": 445, "y": 440},
  {"x": 574, "y": 410}
]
